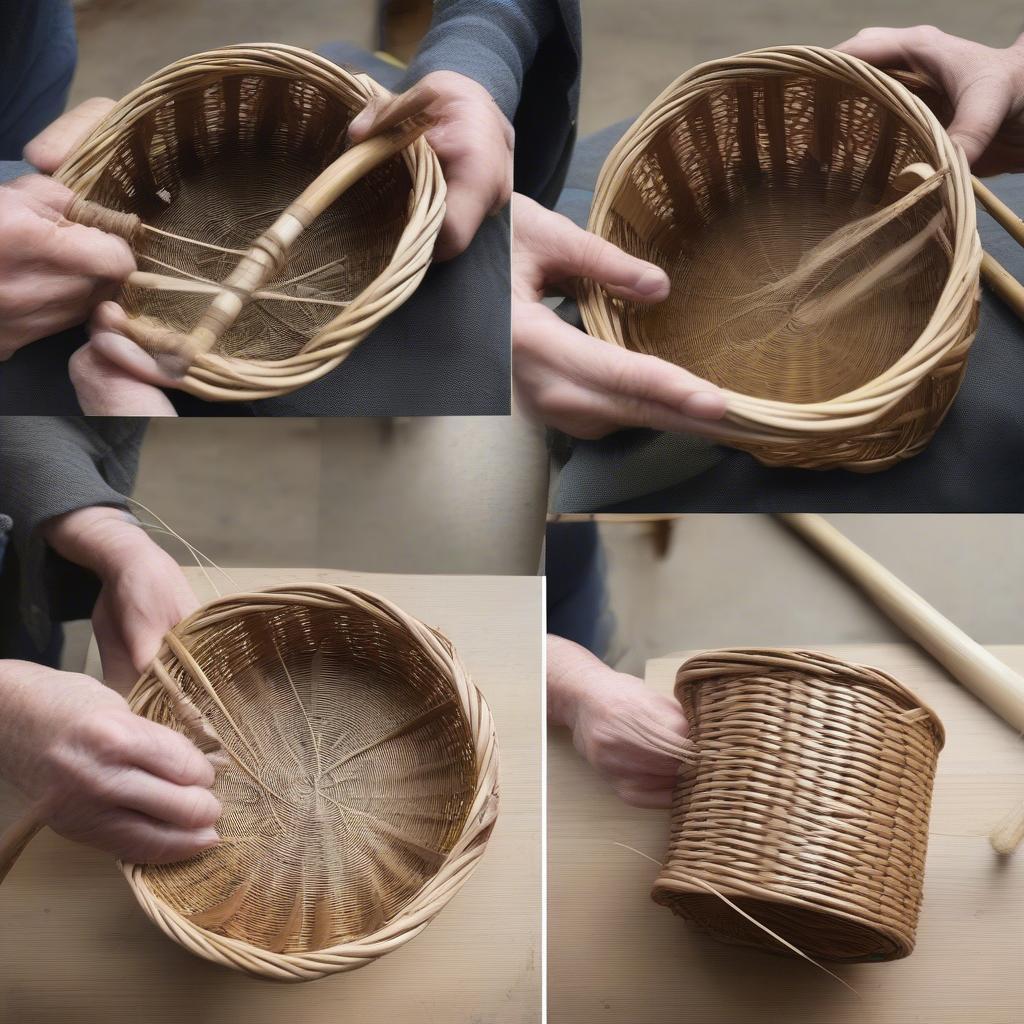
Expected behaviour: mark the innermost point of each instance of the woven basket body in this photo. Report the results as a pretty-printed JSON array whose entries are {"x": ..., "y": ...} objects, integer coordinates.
[
  {"x": 212, "y": 149},
  {"x": 807, "y": 806},
  {"x": 749, "y": 180},
  {"x": 360, "y": 787}
]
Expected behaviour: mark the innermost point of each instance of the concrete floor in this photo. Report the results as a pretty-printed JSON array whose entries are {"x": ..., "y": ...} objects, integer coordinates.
[{"x": 745, "y": 580}]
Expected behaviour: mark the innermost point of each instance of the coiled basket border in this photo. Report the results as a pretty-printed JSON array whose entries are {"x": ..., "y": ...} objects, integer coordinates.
[
  {"x": 435, "y": 894},
  {"x": 226, "y": 378},
  {"x": 819, "y": 434}
]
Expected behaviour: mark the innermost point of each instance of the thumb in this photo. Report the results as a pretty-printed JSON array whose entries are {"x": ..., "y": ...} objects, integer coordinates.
[
  {"x": 980, "y": 111},
  {"x": 54, "y": 144}
]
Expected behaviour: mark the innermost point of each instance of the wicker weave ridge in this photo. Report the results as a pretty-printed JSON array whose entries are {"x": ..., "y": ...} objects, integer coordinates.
[
  {"x": 360, "y": 784},
  {"x": 807, "y": 805},
  {"x": 209, "y": 151},
  {"x": 836, "y": 312}
]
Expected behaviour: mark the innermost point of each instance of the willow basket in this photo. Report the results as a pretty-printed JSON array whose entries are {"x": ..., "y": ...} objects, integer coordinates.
[
  {"x": 215, "y": 146},
  {"x": 807, "y": 806},
  {"x": 360, "y": 788},
  {"x": 728, "y": 181}
]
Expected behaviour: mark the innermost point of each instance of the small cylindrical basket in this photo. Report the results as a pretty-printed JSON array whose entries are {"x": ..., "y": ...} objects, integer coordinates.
[
  {"x": 358, "y": 780},
  {"x": 833, "y": 302},
  {"x": 806, "y": 808},
  {"x": 208, "y": 152}
]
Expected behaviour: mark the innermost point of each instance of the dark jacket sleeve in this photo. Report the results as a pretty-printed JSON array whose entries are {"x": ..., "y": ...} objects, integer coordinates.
[
  {"x": 527, "y": 54},
  {"x": 491, "y": 41},
  {"x": 50, "y": 466}
]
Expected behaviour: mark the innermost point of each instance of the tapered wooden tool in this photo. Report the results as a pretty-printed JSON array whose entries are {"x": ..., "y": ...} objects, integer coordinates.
[{"x": 968, "y": 662}]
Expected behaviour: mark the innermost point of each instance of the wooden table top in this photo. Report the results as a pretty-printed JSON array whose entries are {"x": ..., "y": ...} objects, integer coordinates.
[
  {"x": 74, "y": 945},
  {"x": 614, "y": 955}
]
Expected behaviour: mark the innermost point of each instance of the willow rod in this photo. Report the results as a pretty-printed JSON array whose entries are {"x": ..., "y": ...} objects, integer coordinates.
[{"x": 991, "y": 681}]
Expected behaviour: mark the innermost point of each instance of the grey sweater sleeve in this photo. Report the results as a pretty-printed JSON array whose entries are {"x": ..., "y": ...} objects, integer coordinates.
[
  {"x": 491, "y": 41},
  {"x": 49, "y": 466}
]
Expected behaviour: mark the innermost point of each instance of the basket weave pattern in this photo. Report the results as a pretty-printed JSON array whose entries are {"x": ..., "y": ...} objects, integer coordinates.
[
  {"x": 730, "y": 178},
  {"x": 807, "y": 806},
  {"x": 211, "y": 149},
  {"x": 360, "y": 787}
]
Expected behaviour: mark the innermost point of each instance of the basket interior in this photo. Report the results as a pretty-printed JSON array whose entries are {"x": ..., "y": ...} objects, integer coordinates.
[
  {"x": 216, "y": 163},
  {"x": 730, "y": 198},
  {"x": 359, "y": 775}
]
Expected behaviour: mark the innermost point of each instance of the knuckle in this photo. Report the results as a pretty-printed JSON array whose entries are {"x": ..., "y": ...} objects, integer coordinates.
[{"x": 107, "y": 735}]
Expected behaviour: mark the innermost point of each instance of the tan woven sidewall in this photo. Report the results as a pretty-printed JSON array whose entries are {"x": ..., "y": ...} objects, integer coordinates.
[
  {"x": 807, "y": 804},
  {"x": 459, "y": 863},
  {"x": 889, "y": 418},
  {"x": 223, "y": 378}
]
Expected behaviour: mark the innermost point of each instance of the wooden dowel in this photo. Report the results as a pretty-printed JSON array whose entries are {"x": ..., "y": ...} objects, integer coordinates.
[
  {"x": 16, "y": 837},
  {"x": 999, "y": 211}
]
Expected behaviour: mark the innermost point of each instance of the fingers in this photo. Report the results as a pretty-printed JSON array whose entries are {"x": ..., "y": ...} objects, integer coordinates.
[
  {"x": 466, "y": 207},
  {"x": 52, "y": 146},
  {"x": 167, "y": 754},
  {"x": 384, "y": 112},
  {"x": 105, "y": 388},
  {"x": 980, "y": 111},
  {"x": 883, "y": 47},
  {"x": 587, "y": 387},
  {"x": 570, "y": 252},
  {"x": 136, "y": 838},
  {"x": 638, "y": 794},
  {"x": 189, "y": 807}
]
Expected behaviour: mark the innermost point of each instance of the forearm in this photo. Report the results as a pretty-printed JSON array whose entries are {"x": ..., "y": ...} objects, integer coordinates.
[
  {"x": 568, "y": 664},
  {"x": 49, "y": 467},
  {"x": 491, "y": 41}
]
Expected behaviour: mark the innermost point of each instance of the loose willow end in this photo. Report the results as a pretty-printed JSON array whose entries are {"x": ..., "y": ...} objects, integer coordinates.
[
  {"x": 358, "y": 780},
  {"x": 836, "y": 314},
  {"x": 208, "y": 153},
  {"x": 805, "y": 803}
]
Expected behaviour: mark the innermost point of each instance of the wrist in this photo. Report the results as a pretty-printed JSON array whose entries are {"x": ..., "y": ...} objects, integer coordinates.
[{"x": 98, "y": 538}]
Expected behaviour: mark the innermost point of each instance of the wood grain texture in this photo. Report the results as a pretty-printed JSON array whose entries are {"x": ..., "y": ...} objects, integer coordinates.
[
  {"x": 74, "y": 943},
  {"x": 614, "y": 955}
]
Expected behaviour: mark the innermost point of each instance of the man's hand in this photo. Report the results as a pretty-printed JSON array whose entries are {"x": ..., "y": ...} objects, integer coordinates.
[
  {"x": 99, "y": 774},
  {"x": 623, "y": 729},
  {"x": 473, "y": 141},
  {"x": 985, "y": 86},
  {"x": 568, "y": 380},
  {"x": 52, "y": 272},
  {"x": 143, "y": 595}
]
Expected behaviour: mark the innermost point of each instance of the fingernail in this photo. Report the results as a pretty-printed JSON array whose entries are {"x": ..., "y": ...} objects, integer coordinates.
[
  {"x": 116, "y": 345},
  {"x": 652, "y": 283},
  {"x": 208, "y": 836},
  {"x": 705, "y": 405}
]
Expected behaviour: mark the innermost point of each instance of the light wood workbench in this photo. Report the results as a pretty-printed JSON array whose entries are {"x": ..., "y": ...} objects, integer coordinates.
[
  {"x": 74, "y": 945},
  {"x": 614, "y": 955}
]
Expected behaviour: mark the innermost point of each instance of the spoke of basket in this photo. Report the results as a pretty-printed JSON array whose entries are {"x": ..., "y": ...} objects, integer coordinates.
[
  {"x": 1001, "y": 281},
  {"x": 427, "y": 853},
  {"x": 413, "y": 723},
  {"x": 269, "y": 251},
  {"x": 192, "y": 666},
  {"x": 197, "y": 286},
  {"x": 298, "y": 701},
  {"x": 198, "y": 726}
]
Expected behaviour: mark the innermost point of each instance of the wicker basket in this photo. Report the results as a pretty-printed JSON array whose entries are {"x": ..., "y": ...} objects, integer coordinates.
[
  {"x": 807, "y": 806},
  {"x": 360, "y": 787},
  {"x": 209, "y": 151},
  {"x": 750, "y": 180}
]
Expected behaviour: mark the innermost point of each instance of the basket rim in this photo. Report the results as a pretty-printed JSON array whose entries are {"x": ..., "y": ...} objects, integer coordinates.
[
  {"x": 694, "y": 672},
  {"x": 436, "y": 892},
  {"x": 750, "y": 419},
  {"x": 229, "y": 378}
]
